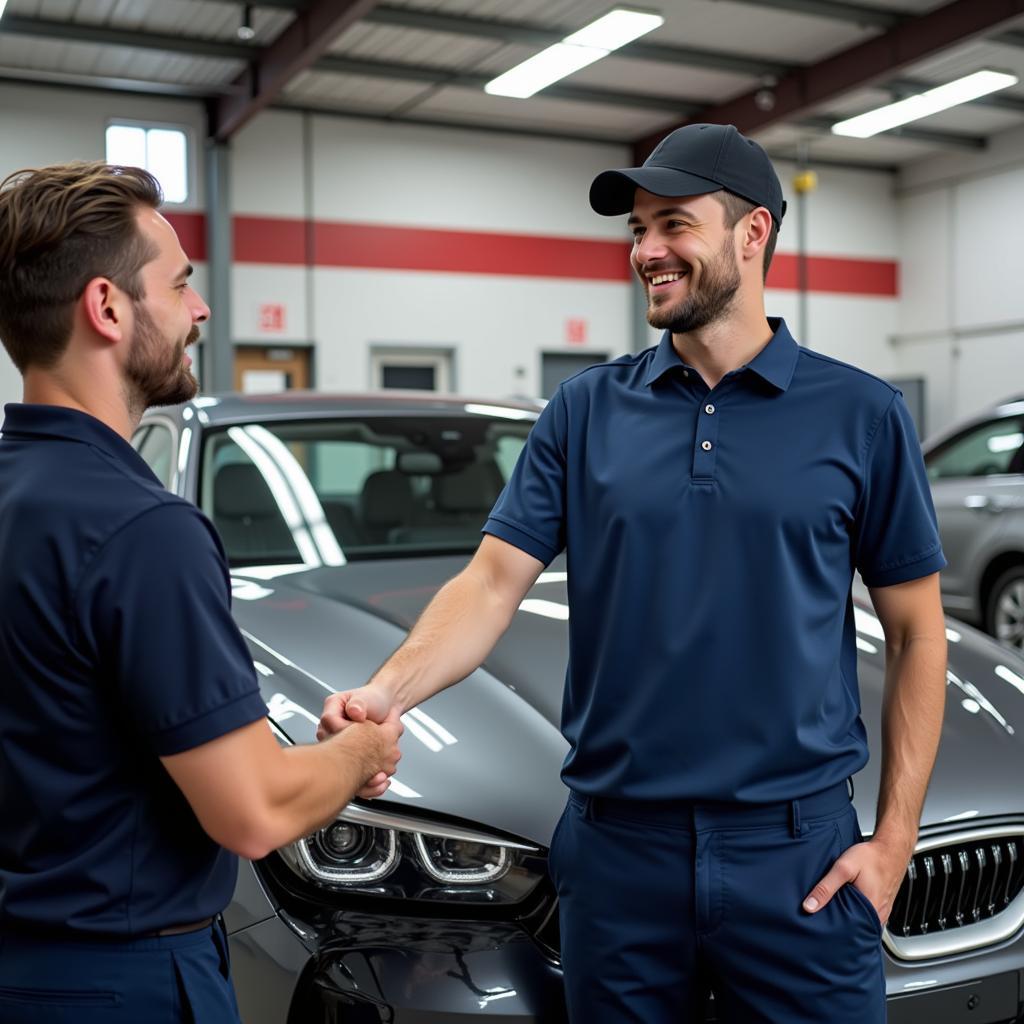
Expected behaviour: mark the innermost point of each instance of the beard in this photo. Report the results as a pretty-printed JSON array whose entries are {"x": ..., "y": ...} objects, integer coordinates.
[
  {"x": 155, "y": 371},
  {"x": 704, "y": 304}
]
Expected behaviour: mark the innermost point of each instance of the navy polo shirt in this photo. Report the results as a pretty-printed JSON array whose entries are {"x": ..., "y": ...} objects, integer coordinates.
[
  {"x": 711, "y": 539},
  {"x": 117, "y": 647}
]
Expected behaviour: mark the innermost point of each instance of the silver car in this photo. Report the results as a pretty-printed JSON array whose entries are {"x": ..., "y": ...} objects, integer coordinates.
[
  {"x": 976, "y": 469},
  {"x": 341, "y": 517}
]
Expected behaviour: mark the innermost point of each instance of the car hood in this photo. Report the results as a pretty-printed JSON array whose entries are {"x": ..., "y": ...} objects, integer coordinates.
[{"x": 489, "y": 750}]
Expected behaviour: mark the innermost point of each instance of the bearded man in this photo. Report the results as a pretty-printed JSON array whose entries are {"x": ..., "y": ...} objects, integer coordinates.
[
  {"x": 714, "y": 495},
  {"x": 136, "y": 762}
]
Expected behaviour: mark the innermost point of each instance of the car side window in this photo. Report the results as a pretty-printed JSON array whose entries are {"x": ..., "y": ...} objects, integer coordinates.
[
  {"x": 506, "y": 453},
  {"x": 156, "y": 446},
  {"x": 993, "y": 447}
]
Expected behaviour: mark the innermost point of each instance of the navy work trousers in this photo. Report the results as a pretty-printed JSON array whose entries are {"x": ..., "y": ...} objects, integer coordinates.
[
  {"x": 660, "y": 903},
  {"x": 172, "y": 979}
]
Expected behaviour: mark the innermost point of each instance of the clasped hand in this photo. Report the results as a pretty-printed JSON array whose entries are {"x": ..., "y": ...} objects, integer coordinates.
[{"x": 365, "y": 704}]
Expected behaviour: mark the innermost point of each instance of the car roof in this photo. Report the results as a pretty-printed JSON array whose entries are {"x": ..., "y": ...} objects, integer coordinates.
[{"x": 239, "y": 408}]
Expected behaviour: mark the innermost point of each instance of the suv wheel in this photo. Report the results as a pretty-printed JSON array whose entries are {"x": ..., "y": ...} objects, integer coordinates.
[{"x": 1004, "y": 611}]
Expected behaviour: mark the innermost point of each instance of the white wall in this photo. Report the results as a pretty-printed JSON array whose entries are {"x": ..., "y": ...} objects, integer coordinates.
[
  {"x": 848, "y": 214},
  {"x": 961, "y": 323},
  {"x": 305, "y": 169}
]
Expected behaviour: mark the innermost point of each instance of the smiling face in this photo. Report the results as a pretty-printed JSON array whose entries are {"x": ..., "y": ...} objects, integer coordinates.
[
  {"x": 685, "y": 257},
  {"x": 158, "y": 371}
]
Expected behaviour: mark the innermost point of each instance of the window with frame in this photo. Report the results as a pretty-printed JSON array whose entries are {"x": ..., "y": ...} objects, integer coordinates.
[{"x": 161, "y": 150}]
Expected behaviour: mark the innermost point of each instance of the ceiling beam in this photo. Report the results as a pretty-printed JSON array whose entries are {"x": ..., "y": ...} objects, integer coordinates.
[
  {"x": 304, "y": 40},
  {"x": 856, "y": 14},
  {"x": 859, "y": 66},
  {"x": 542, "y": 35},
  {"x": 1009, "y": 38},
  {"x": 104, "y": 35},
  {"x": 110, "y": 83},
  {"x": 468, "y": 80},
  {"x": 47, "y": 28},
  {"x": 218, "y": 49}
]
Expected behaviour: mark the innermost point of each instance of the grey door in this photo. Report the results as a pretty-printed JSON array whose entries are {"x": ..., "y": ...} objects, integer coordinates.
[{"x": 556, "y": 366}]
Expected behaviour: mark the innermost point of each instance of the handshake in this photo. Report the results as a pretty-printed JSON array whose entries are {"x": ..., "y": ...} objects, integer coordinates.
[{"x": 370, "y": 721}]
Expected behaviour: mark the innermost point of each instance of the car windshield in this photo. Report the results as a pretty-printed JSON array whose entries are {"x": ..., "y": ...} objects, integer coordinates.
[{"x": 323, "y": 492}]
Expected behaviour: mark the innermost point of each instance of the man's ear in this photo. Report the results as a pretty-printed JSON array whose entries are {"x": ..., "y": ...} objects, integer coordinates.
[
  {"x": 756, "y": 233},
  {"x": 105, "y": 308}
]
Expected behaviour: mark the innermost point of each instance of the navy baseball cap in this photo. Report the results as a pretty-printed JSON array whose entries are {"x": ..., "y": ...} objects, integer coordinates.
[{"x": 692, "y": 161}]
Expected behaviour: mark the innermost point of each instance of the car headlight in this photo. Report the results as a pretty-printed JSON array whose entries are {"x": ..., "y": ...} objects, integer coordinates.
[{"x": 379, "y": 853}]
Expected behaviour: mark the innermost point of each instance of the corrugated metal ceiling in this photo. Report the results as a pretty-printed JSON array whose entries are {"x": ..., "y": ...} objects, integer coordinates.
[{"x": 399, "y": 61}]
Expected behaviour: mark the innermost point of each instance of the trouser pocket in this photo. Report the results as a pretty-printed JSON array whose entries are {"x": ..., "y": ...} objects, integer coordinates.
[
  {"x": 58, "y": 1006},
  {"x": 204, "y": 983}
]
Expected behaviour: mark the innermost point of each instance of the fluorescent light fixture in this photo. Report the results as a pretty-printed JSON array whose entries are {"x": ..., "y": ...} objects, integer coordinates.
[
  {"x": 962, "y": 90},
  {"x": 615, "y": 29},
  {"x": 592, "y": 42},
  {"x": 537, "y": 73}
]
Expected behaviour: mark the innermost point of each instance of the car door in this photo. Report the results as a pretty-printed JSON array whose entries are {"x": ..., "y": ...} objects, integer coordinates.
[{"x": 975, "y": 481}]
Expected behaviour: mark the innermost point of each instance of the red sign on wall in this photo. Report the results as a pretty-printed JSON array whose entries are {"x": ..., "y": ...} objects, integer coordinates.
[
  {"x": 576, "y": 330},
  {"x": 272, "y": 317}
]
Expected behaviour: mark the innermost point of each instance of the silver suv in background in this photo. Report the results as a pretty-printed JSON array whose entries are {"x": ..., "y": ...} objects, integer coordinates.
[{"x": 976, "y": 469}]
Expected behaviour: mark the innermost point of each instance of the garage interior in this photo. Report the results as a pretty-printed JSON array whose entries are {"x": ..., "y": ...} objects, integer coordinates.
[
  {"x": 366, "y": 214},
  {"x": 336, "y": 151}
]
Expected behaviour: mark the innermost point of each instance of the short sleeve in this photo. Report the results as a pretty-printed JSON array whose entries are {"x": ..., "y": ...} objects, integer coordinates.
[
  {"x": 530, "y": 511},
  {"x": 154, "y": 609},
  {"x": 897, "y": 538}
]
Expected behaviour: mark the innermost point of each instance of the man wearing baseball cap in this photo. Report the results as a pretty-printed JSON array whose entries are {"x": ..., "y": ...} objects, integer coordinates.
[{"x": 714, "y": 495}]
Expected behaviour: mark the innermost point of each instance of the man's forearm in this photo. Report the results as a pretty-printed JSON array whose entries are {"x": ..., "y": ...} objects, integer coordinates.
[
  {"x": 453, "y": 636},
  {"x": 252, "y": 796},
  {"x": 912, "y": 710},
  {"x": 313, "y": 783}
]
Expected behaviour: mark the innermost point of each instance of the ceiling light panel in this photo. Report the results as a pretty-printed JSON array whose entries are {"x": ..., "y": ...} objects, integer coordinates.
[
  {"x": 542, "y": 70},
  {"x": 592, "y": 42},
  {"x": 962, "y": 90},
  {"x": 615, "y": 29}
]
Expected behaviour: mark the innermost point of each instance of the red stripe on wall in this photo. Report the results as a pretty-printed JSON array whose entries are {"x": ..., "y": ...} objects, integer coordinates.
[
  {"x": 269, "y": 240},
  {"x": 191, "y": 229},
  {"x": 282, "y": 241},
  {"x": 469, "y": 252},
  {"x": 836, "y": 274}
]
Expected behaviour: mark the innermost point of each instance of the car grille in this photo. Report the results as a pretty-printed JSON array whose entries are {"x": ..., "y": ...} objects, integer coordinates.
[
  {"x": 962, "y": 891},
  {"x": 956, "y": 885}
]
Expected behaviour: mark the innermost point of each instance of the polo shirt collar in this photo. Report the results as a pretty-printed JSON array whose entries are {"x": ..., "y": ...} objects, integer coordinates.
[
  {"x": 56, "y": 421},
  {"x": 775, "y": 363}
]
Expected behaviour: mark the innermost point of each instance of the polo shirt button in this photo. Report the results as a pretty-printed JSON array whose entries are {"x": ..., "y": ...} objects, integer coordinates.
[
  {"x": 686, "y": 373},
  {"x": 709, "y": 409},
  {"x": 706, "y": 445}
]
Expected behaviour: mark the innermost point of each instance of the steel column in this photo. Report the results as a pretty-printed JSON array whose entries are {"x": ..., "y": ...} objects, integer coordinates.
[{"x": 219, "y": 368}]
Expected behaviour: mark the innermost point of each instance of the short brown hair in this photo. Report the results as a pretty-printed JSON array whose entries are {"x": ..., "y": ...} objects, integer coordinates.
[
  {"x": 736, "y": 207},
  {"x": 60, "y": 227}
]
